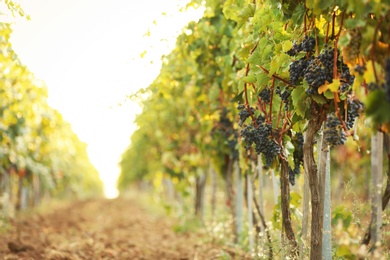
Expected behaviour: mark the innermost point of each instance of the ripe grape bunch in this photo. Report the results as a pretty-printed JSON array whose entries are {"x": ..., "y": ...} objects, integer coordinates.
[
  {"x": 226, "y": 130},
  {"x": 261, "y": 137},
  {"x": 307, "y": 45},
  {"x": 284, "y": 96},
  {"x": 265, "y": 95},
  {"x": 244, "y": 113},
  {"x": 387, "y": 79},
  {"x": 318, "y": 70},
  {"x": 298, "y": 157},
  {"x": 334, "y": 132},
  {"x": 353, "y": 111}
]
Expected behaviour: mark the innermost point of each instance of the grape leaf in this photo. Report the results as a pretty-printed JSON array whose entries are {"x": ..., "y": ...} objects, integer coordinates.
[
  {"x": 377, "y": 107},
  {"x": 249, "y": 79},
  {"x": 334, "y": 86},
  {"x": 298, "y": 96},
  {"x": 319, "y": 99}
]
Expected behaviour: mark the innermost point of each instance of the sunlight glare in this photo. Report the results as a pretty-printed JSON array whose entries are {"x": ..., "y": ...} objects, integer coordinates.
[{"x": 88, "y": 52}]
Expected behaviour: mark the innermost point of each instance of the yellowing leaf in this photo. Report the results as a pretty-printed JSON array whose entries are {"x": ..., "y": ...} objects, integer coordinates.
[
  {"x": 142, "y": 54},
  {"x": 274, "y": 66},
  {"x": 323, "y": 88},
  {"x": 334, "y": 86},
  {"x": 369, "y": 74},
  {"x": 250, "y": 79},
  {"x": 287, "y": 45}
]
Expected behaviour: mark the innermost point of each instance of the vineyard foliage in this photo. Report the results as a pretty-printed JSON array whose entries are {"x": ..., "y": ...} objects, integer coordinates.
[
  {"x": 264, "y": 78},
  {"x": 276, "y": 59},
  {"x": 40, "y": 154}
]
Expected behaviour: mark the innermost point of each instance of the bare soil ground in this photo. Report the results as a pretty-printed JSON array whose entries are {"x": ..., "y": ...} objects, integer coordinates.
[{"x": 101, "y": 229}]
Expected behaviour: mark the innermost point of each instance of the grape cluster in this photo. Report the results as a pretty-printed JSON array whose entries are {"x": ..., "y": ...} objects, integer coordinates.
[
  {"x": 261, "y": 138},
  {"x": 225, "y": 129},
  {"x": 344, "y": 88},
  {"x": 353, "y": 111},
  {"x": 345, "y": 75},
  {"x": 352, "y": 50},
  {"x": 333, "y": 132},
  {"x": 297, "y": 70},
  {"x": 316, "y": 75},
  {"x": 327, "y": 61},
  {"x": 387, "y": 79},
  {"x": 284, "y": 96},
  {"x": 360, "y": 69},
  {"x": 307, "y": 45},
  {"x": 297, "y": 156},
  {"x": 265, "y": 95},
  {"x": 319, "y": 70},
  {"x": 244, "y": 113}
]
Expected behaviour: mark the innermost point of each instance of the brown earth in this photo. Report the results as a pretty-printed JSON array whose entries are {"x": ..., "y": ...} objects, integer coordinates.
[{"x": 101, "y": 229}]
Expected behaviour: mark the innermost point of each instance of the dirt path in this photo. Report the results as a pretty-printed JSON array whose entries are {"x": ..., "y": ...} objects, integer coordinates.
[{"x": 100, "y": 229}]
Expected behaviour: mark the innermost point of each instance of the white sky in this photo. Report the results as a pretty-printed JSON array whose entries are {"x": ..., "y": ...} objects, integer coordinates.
[{"x": 88, "y": 53}]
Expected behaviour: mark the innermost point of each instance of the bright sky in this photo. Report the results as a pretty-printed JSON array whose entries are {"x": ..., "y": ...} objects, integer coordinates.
[{"x": 88, "y": 53}]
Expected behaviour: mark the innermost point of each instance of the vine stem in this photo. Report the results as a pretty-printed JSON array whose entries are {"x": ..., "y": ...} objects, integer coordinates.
[
  {"x": 284, "y": 130},
  {"x": 335, "y": 72},
  {"x": 337, "y": 109},
  {"x": 373, "y": 50},
  {"x": 247, "y": 69},
  {"x": 275, "y": 76},
  {"x": 279, "y": 114},
  {"x": 270, "y": 104},
  {"x": 317, "y": 40},
  {"x": 260, "y": 105},
  {"x": 333, "y": 23},
  {"x": 327, "y": 33},
  {"x": 246, "y": 98}
]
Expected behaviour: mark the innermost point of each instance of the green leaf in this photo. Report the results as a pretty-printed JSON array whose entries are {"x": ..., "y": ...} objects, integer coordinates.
[
  {"x": 214, "y": 92},
  {"x": 298, "y": 96},
  {"x": 249, "y": 79},
  {"x": 238, "y": 97},
  {"x": 319, "y": 6},
  {"x": 241, "y": 86},
  {"x": 276, "y": 220},
  {"x": 377, "y": 107},
  {"x": 319, "y": 99},
  {"x": 267, "y": 52},
  {"x": 299, "y": 14},
  {"x": 245, "y": 14},
  {"x": 343, "y": 250},
  {"x": 329, "y": 94},
  {"x": 262, "y": 79},
  {"x": 295, "y": 199},
  {"x": 274, "y": 66},
  {"x": 255, "y": 57}
]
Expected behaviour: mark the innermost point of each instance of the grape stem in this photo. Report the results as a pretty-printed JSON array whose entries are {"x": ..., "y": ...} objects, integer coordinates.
[
  {"x": 275, "y": 76},
  {"x": 373, "y": 50},
  {"x": 246, "y": 89},
  {"x": 333, "y": 23},
  {"x": 270, "y": 104},
  {"x": 335, "y": 72},
  {"x": 337, "y": 110},
  {"x": 279, "y": 114},
  {"x": 261, "y": 106},
  {"x": 327, "y": 33}
]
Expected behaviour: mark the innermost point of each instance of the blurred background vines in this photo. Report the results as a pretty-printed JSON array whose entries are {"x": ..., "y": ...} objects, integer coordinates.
[
  {"x": 40, "y": 155},
  {"x": 271, "y": 119}
]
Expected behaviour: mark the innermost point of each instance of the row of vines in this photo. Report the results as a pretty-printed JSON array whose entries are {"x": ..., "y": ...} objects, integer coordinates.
[
  {"x": 262, "y": 94},
  {"x": 40, "y": 155}
]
